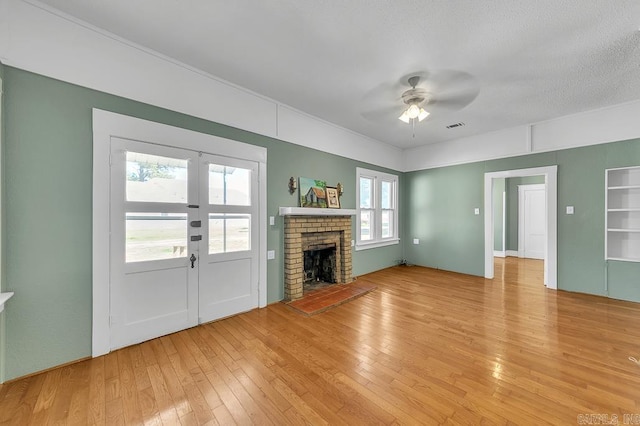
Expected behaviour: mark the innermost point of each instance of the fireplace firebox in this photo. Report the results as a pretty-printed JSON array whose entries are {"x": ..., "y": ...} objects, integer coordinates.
[
  {"x": 329, "y": 237},
  {"x": 320, "y": 264}
]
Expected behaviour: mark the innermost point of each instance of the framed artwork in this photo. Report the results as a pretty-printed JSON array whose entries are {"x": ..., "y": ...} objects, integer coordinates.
[
  {"x": 312, "y": 193},
  {"x": 333, "y": 201}
]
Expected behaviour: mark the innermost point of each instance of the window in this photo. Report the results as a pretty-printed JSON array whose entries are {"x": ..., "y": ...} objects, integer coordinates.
[{"x": 377, "y": 220}]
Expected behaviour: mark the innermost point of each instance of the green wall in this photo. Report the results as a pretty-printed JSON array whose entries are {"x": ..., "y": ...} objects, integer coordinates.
[
  {"x": 47, "y": 208},
  {"x": 452, "y": 238},
  {"x": 511, "y": 188},
  {"x": 439, "y": 211}
]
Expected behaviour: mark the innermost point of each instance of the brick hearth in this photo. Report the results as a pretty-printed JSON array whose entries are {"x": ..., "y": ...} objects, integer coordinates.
[{"x": 310, "y": 232}]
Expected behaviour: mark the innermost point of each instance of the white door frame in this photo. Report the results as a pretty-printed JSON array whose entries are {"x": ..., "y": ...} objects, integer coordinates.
[
  {"x": 107, "y": 125},
  {"x": 521, "y": 207},
  {"x": 503, "y": 248},
  {"x": 550, "y": 174}
]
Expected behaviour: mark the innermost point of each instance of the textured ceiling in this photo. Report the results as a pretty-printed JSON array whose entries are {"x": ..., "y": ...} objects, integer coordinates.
[{"x": 343, "y": 61}]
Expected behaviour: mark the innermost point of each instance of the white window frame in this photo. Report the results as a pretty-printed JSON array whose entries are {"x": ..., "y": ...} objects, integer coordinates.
[{"x": 376, "y": 240}]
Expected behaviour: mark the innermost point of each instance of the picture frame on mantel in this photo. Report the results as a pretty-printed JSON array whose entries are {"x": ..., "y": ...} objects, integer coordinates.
[
  {"x": 312, "y": 193},
  {"x": 333, "y": 200}
]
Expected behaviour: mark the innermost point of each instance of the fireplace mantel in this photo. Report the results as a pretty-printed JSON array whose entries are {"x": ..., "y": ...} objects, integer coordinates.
[{"x": 311, "y": 211}]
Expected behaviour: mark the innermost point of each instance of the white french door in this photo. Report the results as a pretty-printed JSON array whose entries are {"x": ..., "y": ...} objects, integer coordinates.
[
  {"x": 183, "y": 243},
  {"x": 228, "y": 265}
]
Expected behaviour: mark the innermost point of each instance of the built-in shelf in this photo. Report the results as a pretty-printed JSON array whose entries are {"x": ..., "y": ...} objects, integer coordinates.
[
  {"x": 311, "y": 211},
  {"x": 622, "y": 218},
  {"x": 624, "y": 259},
  {"x": 612, "y": 188},
  {"x": 3, "y": 298}
]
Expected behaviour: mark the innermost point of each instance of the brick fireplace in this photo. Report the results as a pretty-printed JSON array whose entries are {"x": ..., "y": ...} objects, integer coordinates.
[{"x": 302, "y": 233}]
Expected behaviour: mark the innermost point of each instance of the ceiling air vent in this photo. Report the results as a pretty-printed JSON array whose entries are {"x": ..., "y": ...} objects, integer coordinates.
[{"x": 452, "y": 126}]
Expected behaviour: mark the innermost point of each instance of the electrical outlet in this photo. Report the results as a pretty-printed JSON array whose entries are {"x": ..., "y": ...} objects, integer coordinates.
[
  {"x": 476, "y": 211},
  {"x": 272, "y": 220},
  {"x": 569, "y": 209},
  {"x": 271, "y": 254},
  {"x": 416, "y": 241}
]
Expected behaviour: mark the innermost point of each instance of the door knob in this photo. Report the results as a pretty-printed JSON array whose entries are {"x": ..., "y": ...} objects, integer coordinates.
[{"x": 193, "y": 260}]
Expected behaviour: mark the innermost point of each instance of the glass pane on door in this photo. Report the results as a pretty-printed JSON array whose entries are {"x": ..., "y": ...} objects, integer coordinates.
[
  {"x": 155, "y": 236},
  {"x": 230, "y": 186},
  {"x": 229, "y": 233},
  {"x": 152, "y": 178}
]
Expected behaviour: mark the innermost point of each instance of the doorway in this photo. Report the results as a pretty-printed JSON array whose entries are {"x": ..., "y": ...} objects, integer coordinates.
[
  {"x": 550, "y": 243},
  {"x": 178, "y": 238}
]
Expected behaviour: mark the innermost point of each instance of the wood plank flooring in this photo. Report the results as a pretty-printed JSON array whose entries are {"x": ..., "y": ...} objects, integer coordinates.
[{"x": 426, "y": 347}]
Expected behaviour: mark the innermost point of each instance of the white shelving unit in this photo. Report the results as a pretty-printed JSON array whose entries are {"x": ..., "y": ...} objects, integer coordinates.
[{"x": 622, "y": 221}]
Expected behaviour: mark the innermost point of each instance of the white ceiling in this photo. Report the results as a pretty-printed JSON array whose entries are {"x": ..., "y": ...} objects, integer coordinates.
[{"x": 346, "y": 61}]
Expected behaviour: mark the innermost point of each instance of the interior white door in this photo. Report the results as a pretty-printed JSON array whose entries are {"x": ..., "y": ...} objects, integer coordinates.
[
  {"x": 532, "y": 215},
  {"x": 228, "y": 280},
  {"x": 153, "y": 282}
]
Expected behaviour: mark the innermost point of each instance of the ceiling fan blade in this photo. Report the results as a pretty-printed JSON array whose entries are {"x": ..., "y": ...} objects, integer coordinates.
[
  {"x": 453, "y": 90},
  {"x": 383, "y": 102},
  {"x": 453, "y": 101},
  {"x": 384, "y": 114},
  {"x": 383, "y": 94},
  {"x": 445, "y": 80}
]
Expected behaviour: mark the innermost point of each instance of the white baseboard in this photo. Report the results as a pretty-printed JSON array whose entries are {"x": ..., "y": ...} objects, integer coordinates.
[
  {"x": 512, "y": 253},
  {"x": 499, "y": 253}
]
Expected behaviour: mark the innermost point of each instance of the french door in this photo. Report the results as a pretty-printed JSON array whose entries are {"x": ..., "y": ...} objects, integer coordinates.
[
  {"x": 183, "y": 239},
  {"x": 228, "y": 260}
]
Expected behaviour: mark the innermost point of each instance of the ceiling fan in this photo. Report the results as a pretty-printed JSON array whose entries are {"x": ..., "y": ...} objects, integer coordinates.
[
  {"x": 430, "y": 94},
  {"x": 414, "y": 98}
]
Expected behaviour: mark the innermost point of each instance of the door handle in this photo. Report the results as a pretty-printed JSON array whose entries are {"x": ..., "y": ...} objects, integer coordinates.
[{"x": 193, "y": 260}]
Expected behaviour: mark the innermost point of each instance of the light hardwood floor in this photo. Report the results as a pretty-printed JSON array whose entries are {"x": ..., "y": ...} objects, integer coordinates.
[{"x": 425, "y": 347}]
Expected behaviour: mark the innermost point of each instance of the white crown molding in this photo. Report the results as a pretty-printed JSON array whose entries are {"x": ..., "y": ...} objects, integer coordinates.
[
  {"x": 37, "y": 38},
  {"x": 603, "y": 125},
  {"x": 302, "y": 129},
  {"x": 45, "y": 41}
]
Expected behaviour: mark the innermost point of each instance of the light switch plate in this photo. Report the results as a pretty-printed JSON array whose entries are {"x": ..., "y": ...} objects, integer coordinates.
[
  {"x": 416, "y": 241},
  {"x": 569, "y": 209},
  {"x": 272, "y": 220},
  {"x": 476, "y": 211},
  {"x": 271, "y": 254}
]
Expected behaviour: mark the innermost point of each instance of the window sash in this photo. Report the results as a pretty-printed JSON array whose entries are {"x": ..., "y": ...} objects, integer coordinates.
[
  {"x": 377, "y": 215},
  {"x": 370, "y": 225},
  {"x": 389, "y": 215}
]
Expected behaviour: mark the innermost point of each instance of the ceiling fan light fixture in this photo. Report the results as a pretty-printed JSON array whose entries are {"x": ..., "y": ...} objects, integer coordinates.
[{"x": 413, "y": 111}]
